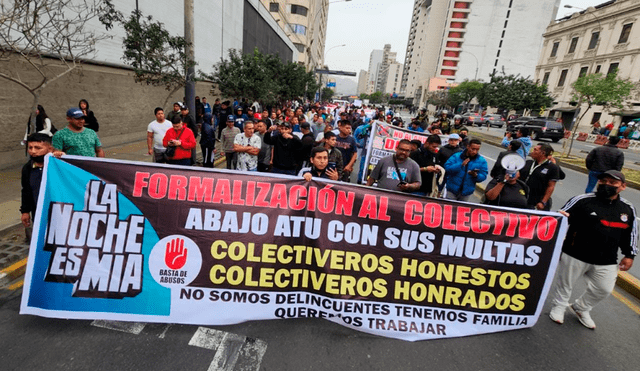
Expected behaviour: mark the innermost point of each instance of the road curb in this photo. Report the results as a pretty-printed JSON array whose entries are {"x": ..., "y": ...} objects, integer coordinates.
[
  {"x": 629, "y": 283},
  {"x": 12, "y": 272}
]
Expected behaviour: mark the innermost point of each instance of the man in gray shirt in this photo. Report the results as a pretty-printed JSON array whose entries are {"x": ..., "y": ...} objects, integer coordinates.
[{"x": 387, "y": 169}]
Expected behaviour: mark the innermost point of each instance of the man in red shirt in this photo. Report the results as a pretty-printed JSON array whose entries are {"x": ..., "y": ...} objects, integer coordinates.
[{"x": 181, "y": 138}]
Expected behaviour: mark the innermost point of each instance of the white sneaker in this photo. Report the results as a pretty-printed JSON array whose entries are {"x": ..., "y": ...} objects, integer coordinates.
[
  {"x": 584, "y": 317},
  {"x": 557, "y": 314}
]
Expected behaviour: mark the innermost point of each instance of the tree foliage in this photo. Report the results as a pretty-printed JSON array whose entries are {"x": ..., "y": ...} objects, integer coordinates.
[
  {"x": 157, "y": 57},
  {"x": 595, "y": 89},
  {"x": 374, "y": 98},
  {"x": 261, "y": 77},
  {"x": 327, "y": 93},
  {"x": 51, "y": 36},
  {"x": 514, "y": 92},
  {"x": 465, "y": 92},
  {"x": 439, "y": 98}
]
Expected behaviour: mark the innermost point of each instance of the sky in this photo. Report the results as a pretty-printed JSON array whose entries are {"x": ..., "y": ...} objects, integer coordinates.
[{"x": 365, "y": 25}]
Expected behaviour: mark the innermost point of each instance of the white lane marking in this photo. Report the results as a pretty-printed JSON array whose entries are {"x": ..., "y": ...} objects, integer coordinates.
[
  {"x": 161, "y": 336},
  {"x": 130, "y": 327},
  {"x": 228, "y": 352},
  {"x": 251, "y": 355},
  {"x": 231, "y": 349},
  {"x": 206, "y": 338}
]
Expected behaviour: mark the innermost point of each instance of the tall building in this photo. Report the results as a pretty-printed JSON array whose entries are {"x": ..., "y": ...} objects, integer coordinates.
[
  {"x": 388, "y": 57},
  {"x": 375, "y": 60},
  {"x": 305, "y": 22},
  {"x": 394, "y": 78},
  {"x": 601, "y": 39},
  {"x": 461, "y": 40},
  {"x": 363, "y": 82}
]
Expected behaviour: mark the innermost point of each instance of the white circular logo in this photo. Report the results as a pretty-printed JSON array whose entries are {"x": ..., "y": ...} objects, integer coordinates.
[{"x": 175, "y": 261}]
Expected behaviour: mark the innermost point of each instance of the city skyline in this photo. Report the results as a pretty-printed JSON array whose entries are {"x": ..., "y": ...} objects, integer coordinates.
[{"x": 348, "y": 23}]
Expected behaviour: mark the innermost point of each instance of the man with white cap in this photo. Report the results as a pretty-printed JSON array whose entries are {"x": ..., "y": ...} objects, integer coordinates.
[
  {"x": 449, "y": 149},
  {"x": 600, "y": 223}
]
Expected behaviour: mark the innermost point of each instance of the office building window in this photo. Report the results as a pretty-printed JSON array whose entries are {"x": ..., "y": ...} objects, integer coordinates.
[
  {"x": 598, "y": 68},
  {"x": 583, "y": 71},
  {"x": 594, "y": 40},
  {"x": 300, "y": 47},
  {"x": 572, "y": 46},
  {"x": 624, "y": 35},
  {"x": 554, "y": 50},
  {"x": 298, "y": 28},
  {"x": 563, "y": 77},
  {"x": 274, "y": 7},
  {"x": 613, "y": 68},
  {"x": 545, "y": 79},
  {"x": 299, "y": 10}
]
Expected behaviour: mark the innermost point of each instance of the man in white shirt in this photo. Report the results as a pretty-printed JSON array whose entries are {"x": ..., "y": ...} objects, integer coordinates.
[
  {"x": 247, "y": 146},
  {"x": 155, "y": 133}
]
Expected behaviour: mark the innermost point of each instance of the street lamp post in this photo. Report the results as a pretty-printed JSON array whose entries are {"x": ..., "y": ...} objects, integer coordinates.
[
  {"x": 574, "y": 120},
  {"x": 323, "y": 57}
]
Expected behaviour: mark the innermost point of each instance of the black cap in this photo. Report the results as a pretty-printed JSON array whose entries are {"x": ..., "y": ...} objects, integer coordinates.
[
  {"x": 615, "y": 174},
  {"x": 305, "y": 125},
  {"x": 285, "y": 124}
]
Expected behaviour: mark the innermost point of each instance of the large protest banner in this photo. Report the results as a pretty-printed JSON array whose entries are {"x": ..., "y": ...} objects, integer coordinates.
[
  {"x": 158, "y": 243},
  {"x": 383, "y": 140}
]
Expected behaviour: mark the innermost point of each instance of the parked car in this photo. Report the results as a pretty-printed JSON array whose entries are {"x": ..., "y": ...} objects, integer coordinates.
[
  {"x": 518, "y": 121},
  {"x": 543, "y": 129},
  {"x": 472, "y": 118},
  {"x": 493, "y": 120}
]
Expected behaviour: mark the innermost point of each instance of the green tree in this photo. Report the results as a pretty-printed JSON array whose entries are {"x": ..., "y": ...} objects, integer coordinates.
[
  {"x": 376, "y": 97},
  {"x": 261, "y": 77},
  {"x": 595, "y": 89},
  {"x": 157, "y": 57},
  {"x": 514, "y": 92},
  {"x": 52, "y": 37},
  {"x": 439, "y": 98},
  {"x": 327, "y": 93},
  {"x": 465, "y": 92}
]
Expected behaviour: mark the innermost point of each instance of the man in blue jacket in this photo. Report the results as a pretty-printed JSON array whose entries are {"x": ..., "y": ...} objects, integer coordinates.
[
  {"x": 523, "y": 136},
  {"x": 465, "y": 169}
]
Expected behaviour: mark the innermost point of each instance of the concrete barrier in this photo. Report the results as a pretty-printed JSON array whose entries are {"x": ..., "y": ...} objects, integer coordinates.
[
  {"x": 600, "y": 140},
  {"x": 623, "y": 144}
]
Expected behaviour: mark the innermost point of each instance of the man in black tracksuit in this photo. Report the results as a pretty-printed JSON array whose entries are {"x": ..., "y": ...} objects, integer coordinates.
[{"x": 600, "y": 223}]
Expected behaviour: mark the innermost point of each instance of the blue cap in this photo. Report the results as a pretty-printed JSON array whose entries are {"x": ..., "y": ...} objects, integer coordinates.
[
  {"x": 454, "y": 136},
  {"x": 231, "y": 118},
  {"x": 76, "y": 113}
]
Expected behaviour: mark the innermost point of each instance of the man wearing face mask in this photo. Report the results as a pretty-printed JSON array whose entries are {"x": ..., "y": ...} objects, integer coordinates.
[
  {"x": 600, "y": 223},
  {"x": 38, "y": 145}
]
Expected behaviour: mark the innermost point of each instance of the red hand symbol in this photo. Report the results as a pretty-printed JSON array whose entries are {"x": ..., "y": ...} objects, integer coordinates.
[{"x": 176, "y": 255}]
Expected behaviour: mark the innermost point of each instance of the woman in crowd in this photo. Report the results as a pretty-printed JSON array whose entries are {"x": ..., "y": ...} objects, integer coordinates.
[{"x": 90, "y": 120}]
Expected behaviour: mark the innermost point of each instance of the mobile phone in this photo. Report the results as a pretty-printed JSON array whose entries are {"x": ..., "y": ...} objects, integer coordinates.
[{"x": 331, "y": 165}]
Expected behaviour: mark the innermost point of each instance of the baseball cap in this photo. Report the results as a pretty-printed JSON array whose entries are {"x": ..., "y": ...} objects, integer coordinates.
[
  {"x": 285, "y": 124},
  {"x": 454, "y": 136},
  {"x": 184, "y": 106},
  {"x": 305, "y": 125},
  {"x": 76, "y": 113},
  {"x": 257, "y": 116},
  {"x": 615, "y": 174},
  {"x": 231, "y": 118}
]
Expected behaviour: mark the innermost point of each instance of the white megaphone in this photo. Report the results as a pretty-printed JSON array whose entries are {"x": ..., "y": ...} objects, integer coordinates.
[{"x": 512, "y": 163}]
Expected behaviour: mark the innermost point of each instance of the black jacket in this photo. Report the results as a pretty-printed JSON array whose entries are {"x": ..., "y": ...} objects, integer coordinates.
[
  {"x": 598, "y": 227},
  {"x": 606, "y": 157},
  {"x": 285, "y": 151}
]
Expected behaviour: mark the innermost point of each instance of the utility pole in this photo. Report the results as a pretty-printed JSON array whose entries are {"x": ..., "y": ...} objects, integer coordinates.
[{"x": 190, "y": 86}]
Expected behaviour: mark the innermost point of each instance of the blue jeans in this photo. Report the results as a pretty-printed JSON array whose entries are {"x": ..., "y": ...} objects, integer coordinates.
[{"x": 593, "y": 180}]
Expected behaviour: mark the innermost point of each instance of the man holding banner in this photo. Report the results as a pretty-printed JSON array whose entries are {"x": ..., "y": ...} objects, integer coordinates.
[
  {"x": 397, "y": 172},
  {"x": 599, "y": 224}
]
